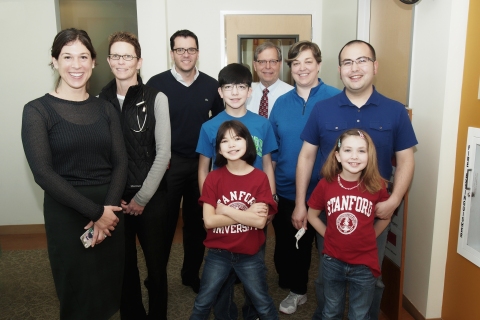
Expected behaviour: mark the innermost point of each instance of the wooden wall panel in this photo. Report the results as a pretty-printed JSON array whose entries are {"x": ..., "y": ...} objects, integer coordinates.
[{"x": 390, "y": 35}]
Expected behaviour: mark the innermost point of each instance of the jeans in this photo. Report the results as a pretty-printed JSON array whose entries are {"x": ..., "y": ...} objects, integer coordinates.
[
  {"x": 151, "y": 229},
  {"x": 225, "y": 308},
  {"x": 379, "y": 286},
  {"x": 336, "y": 274},
  {"x": 249, "y": 268}
]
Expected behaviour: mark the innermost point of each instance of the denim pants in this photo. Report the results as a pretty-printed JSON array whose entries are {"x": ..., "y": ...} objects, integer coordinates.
[
  {"x": 379, "y": 286},
  {"x": 336, "y": 274},
  {"x": 225, "y": 308},
  {"x": 251, "y": 271}
]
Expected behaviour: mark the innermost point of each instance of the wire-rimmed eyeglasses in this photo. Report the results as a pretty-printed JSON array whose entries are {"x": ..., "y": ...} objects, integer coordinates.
[
  {"x": 126, "y": 57},
  {"x": 182, "y": 50},
  {"x": 263, "y": 63},
  {"x": 239, "y": 86},
  {"x": 359, "y": 61}
]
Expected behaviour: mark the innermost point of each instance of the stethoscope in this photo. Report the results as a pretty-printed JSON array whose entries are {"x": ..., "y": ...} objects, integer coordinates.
[{"x": 144, "y": 110}]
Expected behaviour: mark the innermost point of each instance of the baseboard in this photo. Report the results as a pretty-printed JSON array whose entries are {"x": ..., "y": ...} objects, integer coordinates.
[
  {"x": 22, "y": 229},
  {"x": 410, "y": 308}
]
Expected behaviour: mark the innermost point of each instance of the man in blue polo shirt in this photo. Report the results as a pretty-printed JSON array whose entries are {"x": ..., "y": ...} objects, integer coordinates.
[{"x": 385, "y": 120}]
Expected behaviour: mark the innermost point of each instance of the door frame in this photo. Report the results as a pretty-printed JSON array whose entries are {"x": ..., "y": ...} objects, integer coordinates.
[
  {"x": 223, "y": 55},
  {"x": 363, "y": 23}
]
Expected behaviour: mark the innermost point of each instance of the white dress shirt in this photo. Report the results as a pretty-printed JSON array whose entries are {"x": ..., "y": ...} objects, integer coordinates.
[
  {"x": 274, "y": 91},
  {"x": 179, "y": 77}
]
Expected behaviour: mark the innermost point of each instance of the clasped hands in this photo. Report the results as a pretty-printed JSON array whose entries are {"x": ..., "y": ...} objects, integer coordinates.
[{"x": 103, "y": 226}]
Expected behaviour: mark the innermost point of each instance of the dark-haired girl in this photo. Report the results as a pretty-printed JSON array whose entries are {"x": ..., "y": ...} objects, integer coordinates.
[
  {"x": 236, "y": 200},
  {"x": 74, "y": 146}
]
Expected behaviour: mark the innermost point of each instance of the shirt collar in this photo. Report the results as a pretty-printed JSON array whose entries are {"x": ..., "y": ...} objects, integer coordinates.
[
  {"x": 372, "y": 100},
  {"x": 271, "y": 87},
  {"x": 313, "y": 90},
  {"x": 179, "y": 77}
]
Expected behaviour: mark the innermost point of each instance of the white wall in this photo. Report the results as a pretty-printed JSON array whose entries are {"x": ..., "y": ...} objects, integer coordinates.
[
  {"x": 435, "y": 91},
  {"x": 339, "y": 16},
  {"x": 152, "y": 34},
  {"x": 28, "y": 28},
  {"x": 204, "y": 19}
]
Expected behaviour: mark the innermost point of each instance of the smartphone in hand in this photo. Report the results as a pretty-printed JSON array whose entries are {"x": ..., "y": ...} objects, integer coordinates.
[{"x": 87, "y": 237}]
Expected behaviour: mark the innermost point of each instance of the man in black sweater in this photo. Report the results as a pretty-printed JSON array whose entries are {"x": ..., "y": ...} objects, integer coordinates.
[{"x": 192, "y": 95}]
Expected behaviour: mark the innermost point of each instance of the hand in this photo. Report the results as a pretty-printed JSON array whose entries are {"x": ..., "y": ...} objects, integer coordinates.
[
  {"x": 299, "y": 217},
  {"x": 133, "y": 208},
  {"x": 384, "y": 210},
  {"x": 108, "y": 221},
  {"x": 98, "y": 235},
  {"x": 220, "y": 209},
  {"x": 259, "y": 208}
]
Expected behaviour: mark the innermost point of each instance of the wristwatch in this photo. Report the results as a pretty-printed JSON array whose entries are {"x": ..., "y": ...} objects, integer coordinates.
[{"x": 275, "y": 198}]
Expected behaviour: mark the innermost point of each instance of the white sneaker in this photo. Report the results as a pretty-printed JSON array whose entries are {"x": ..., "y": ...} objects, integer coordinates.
[{"x": 290, "y": 303}]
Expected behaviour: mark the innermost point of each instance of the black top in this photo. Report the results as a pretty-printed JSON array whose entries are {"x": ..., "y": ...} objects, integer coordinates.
[
  {"x": 189, "y": 108},
  {"x": 69, "y": 143}
]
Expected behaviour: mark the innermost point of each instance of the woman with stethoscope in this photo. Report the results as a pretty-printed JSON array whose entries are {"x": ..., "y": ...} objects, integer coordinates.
[{"x": 145, "y": 120}]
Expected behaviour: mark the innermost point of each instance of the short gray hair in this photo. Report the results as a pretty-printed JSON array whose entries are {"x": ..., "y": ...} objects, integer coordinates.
[{"x": 264, "y": 46}]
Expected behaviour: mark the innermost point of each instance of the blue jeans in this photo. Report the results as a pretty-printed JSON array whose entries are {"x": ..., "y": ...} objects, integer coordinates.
[
  {"x": 379, "y": 286},
  {"x": 251, "y": 271},
  {"x": 225, "y": 308},
  {"x": 336, "y": 274}
]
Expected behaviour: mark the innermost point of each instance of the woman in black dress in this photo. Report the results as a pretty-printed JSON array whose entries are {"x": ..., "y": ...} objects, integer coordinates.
[{"x": 74, "y": 146}]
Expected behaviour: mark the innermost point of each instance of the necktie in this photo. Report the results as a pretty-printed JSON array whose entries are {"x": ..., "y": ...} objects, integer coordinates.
[{"x": 263, "y": 110}]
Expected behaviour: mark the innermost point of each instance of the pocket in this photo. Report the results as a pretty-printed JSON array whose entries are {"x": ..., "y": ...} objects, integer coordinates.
[
  {"x": 336, "y": 128},
  {"x": 381, "y": 133}
]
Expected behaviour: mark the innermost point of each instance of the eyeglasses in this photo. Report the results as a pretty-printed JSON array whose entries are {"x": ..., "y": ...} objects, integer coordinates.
[
  {"x": 182, "y": 50},
  {"x": 126, "y": 57},
  {"x": 240, "y": 87},
  {"x": 359, "y": 61},
  {"x": 273, "y": 63}
]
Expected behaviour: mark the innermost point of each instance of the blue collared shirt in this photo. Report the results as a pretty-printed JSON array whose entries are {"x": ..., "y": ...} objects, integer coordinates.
[{"x": 384, "y": 119}]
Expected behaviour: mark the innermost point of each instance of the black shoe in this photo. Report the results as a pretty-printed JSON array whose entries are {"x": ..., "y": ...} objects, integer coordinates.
[{"x": 193, "y": 283}]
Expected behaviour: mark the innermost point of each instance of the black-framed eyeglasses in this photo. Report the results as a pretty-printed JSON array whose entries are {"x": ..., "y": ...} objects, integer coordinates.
[
  {"x": 273, "y": 63},
  {"x": 182, "y": 50},
  {"x": 359, "y": 61},
  {"x": 126, "y": 57},
  {"x": 239, "y": 86},
  {"x": 143, "y": 106}
]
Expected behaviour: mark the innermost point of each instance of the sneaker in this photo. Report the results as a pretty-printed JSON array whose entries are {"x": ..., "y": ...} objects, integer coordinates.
[{"x": 290, "y": 303}]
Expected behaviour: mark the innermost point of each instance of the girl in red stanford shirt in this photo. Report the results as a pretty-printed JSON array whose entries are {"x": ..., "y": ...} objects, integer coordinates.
[
  {"x": 236, "y": 200},
  {"x": 350, "y": 189}
]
